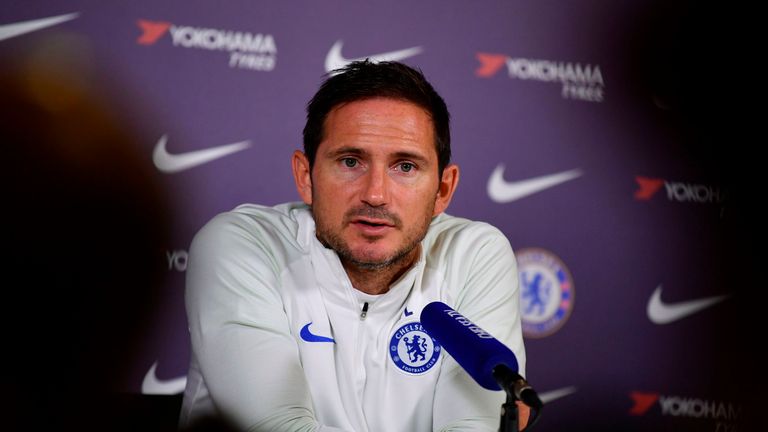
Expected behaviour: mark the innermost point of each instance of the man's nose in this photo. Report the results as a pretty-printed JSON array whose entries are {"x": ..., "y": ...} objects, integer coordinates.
[{"x": 376, "y": 187}]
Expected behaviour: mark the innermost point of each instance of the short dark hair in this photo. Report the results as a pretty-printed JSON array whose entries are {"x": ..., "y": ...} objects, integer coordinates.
[{"x": 367, "y": 80}]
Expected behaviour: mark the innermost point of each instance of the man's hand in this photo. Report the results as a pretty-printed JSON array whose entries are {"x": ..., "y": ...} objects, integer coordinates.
[{"x": 523, "y": 413}]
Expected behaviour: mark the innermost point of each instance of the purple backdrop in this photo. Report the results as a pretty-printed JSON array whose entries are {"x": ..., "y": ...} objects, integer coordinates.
[{"x": 607, "y": 105}]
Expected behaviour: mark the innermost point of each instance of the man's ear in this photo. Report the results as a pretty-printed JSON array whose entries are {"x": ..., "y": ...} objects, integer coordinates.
[
  {"x": 448, "y": 182},
  {"x": 302, "y": 175}
]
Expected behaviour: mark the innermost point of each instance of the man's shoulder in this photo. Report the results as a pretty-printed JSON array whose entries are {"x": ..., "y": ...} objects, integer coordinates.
[
  {"x": 445, "y": 227},
  {"x": 280, "y": 223},
  {"x": 281, "y": 216},
  {"x": 458, "y": 241}
]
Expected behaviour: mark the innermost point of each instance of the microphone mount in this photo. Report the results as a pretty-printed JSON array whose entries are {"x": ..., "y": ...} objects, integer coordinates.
[{"x": 517, "y": 389}]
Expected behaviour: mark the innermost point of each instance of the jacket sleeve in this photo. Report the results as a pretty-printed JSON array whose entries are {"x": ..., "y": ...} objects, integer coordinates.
[{"x": 240, "y": 333}]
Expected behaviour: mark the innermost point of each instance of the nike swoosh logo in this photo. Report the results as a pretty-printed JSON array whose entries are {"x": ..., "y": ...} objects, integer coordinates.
[
  {"x": 408, "y": 313},
  {"x": 8, "y": 31},
  {"x": 334, "y": 60},
  {"x": 173, "y": 163},
  {"x": 309, "y": 337},
  {"x": 155, "y": 386},
  {"x": 665, "y": 313},
  {"x": 502, "y": 191},
  {"x": 547, "y": 397}
]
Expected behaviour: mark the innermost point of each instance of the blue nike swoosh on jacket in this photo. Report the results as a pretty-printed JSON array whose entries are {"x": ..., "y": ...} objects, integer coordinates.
[{"x": 309, "y": 337}]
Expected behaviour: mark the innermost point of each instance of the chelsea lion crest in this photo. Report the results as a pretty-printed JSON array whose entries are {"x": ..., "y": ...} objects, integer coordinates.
[
  {"x": 546, "y": 297},
  {"x": 413, "y": 350}
]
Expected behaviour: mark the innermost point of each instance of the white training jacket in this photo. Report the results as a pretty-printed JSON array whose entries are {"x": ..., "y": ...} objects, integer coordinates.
[{"x": 279, "y": 342}]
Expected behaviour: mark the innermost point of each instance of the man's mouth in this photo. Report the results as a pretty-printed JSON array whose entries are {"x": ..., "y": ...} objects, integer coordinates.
[
  {"x": 372, "y": 226},
  {"x": 373, "y": 222}
]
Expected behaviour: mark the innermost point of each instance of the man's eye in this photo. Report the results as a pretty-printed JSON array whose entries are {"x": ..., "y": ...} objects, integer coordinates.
[
  {"x": 406, "y": 167},
  {"x": 349, "y": 162}
]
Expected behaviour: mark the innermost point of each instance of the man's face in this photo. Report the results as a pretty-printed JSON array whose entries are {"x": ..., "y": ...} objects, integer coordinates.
[{"x": 374, "y": 185}]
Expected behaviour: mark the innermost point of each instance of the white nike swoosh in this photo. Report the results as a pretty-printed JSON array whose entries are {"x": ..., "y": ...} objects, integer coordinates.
[
  {"x": 154, "y": 386},
  {"x": 172, "y": 163},
  {"x": 334, "y": 60},
  {"x": 665, "y": 313},
  {"x": 551, "y": 395},
  {"x": 502, "y": 191},
  {"x": 8, "y": 31}
]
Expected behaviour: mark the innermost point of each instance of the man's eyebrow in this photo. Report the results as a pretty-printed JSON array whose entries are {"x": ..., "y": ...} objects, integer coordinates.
[
  {"x": 357, "y": 151},
  {"x": 413, "y": 156},
  {"x": 345, "y": 151}
]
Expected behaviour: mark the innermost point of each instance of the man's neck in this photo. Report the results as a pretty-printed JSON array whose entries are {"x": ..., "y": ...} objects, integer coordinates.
[{"x": 378, "y": 281}]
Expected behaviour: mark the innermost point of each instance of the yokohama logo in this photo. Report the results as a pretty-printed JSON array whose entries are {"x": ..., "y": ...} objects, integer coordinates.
[
  {"x": 677, "y": 406},
  {"x": 678, "y": 191},
  {"x": 583, "y": 82},
  {"x": 152, "y": 31},
  {"x": 642, "y": 402},
  {"x": 246, "y": 50}
]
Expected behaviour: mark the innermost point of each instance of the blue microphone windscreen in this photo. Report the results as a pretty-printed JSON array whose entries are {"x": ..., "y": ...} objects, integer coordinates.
[{"x": 473, "y": 348}]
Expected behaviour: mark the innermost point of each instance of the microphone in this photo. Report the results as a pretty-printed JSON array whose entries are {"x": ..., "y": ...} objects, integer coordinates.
[{"x": 488, "y": 361}]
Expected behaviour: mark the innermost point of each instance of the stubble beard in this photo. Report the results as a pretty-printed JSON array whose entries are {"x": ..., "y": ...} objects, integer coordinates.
[{"x": 332, "y": 239}]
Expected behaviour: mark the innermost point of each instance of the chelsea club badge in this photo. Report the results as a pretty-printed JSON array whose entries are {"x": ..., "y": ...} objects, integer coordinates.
[
  {"x": 413, "y": 350},
  {"x": 547, "y": 292}
]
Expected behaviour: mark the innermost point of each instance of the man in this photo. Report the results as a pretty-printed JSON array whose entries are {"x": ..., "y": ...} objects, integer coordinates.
[{"x": 306, "y": 316}]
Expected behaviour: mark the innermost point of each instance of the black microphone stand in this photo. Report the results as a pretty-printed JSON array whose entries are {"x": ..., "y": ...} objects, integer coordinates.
[
  {"x": 510, "y": 419},
  {"x": 517, "y": 390}
]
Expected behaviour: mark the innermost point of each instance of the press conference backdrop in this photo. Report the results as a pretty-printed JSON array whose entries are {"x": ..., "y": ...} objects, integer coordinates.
[{"x": 594, "y": 134}]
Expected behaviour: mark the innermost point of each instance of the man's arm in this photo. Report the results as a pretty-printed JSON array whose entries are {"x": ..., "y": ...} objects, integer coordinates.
[
  {"x": 490, "y": 299},
  {"x": 239, "y": 330}
]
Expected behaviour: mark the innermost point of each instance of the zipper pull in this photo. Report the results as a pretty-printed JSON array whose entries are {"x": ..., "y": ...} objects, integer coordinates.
[{"x": 365, "y": 311}]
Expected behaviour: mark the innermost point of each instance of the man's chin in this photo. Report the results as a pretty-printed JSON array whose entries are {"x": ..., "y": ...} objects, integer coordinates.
[
  {"x": 368, "y": 265},
  {"x": 371, "y": 262},
  {"x": 367, "y": 260}
]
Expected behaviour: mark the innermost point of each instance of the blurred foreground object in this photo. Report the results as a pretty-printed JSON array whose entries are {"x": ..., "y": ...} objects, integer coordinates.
[{"x": 87, "y": 221}]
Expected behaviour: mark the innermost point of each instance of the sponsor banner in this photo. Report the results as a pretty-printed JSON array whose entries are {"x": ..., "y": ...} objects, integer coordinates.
[
  {"x": 20, "y": 28},
  {"x": 171, "y": 163},
  {"x": 335, "y": 60},
  {"x": 719, "y": 416},
  {"x": 578, "y": 81},
  {"x": 244, "y": 50},
  {"x": 661, "y": 312},
  {"x": 676, "y": 191},
  {"x": 177, "y": 260},
  {"x": 502, "y": 191}
]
